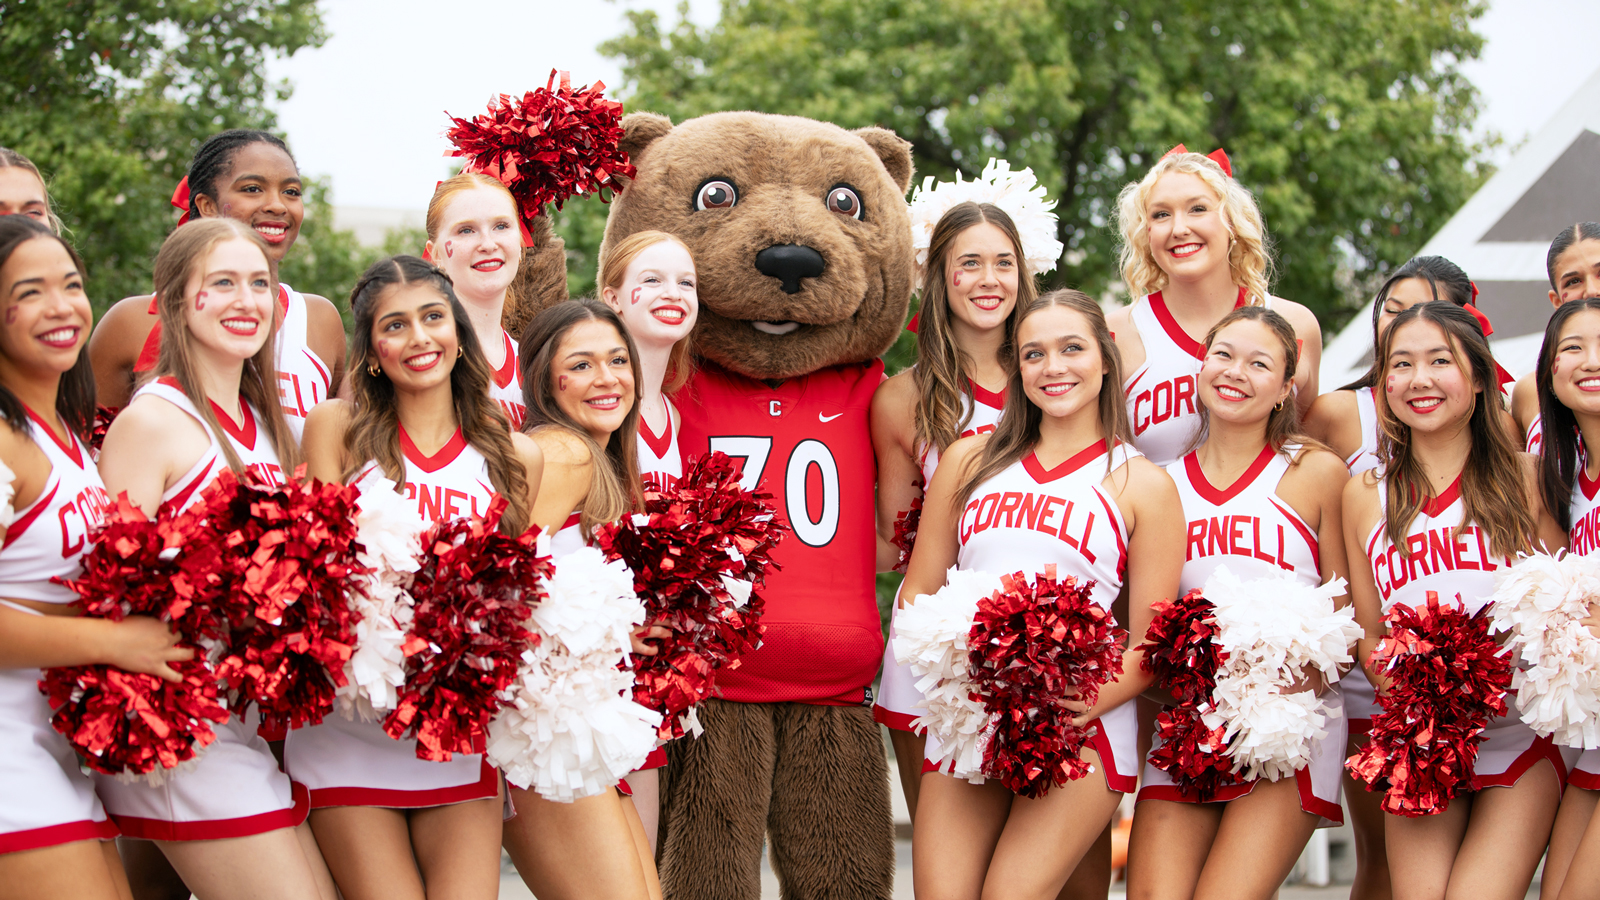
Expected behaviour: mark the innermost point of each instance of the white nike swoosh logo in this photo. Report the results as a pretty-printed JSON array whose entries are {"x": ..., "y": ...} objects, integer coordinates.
[{"x": 829, "y": 418}]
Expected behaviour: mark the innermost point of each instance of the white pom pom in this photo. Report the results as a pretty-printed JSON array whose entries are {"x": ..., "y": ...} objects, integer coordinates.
[
  {"x": 931, "y": 638},
  {"x": 572, "y": 729},
  {"x": 1018, "y": 193},
  {"x": 389, "y": 531},
  {"x": 1275, "y": 630},
  {"x": 1540, "y": 600}
]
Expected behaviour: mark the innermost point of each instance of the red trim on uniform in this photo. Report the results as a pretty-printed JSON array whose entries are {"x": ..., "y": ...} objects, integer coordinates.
[
  {"x": 1589, "y": 487},
  {"x": 1134, "y": 382},
  {"x": 72, "y": 449},
  {"x": 658, "y": 445},
  {"x": 1171, "y": 793},
  {"x": 896, "y": 720},
  {"x": 243, "y": 431},
  {"x": 21, "y": 523},
  {"x": 987, "y": 397},
  {"x": 1439, "y": 504},
  {"x": 327, "y": 377},
  {"x": 1541, "y": 748},
  {"x": 182, "y": 497},
  {"x": 1079, "y": 460},
  {"x": 444, "y": 457},
  {"x": 1116, "y": 781},
  {"x": 1122, "y": 546},
  {"x": 508, "y": 369},
  {"x": 215, "y": 829},
  {"x": 56, "y": 835},
  {"x": 656, "y": 760},
  {"x": 1158, "y": 305},
  {"x": 1588, "y": 781},
  {"x": 572, "y": 520},
  {"x": 487, "y": 786},
  {"x": 929, "y": 765},
  {"x": 624, "y": 788},
  {"x": 1311, "y": 803},
  {"x": 1303, "y": 528},
  {"x": 1218, "y": 496}
]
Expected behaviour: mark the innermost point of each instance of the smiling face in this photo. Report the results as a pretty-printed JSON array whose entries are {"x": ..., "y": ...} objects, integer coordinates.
[
  {"x": 1403, "y": 294},
  {"x": 478, "y": 244},
  {"x": 414, "y": 336},
  {"x": 1575, "y": 372},
  {"x": 22, "y": 193},
  {"x": 229, "y": 301},
  {"x": 981, "y": 278},
  {"x": 1428, "y": 379},
  {"x": 657, "y": 298},
  {"x": 593, "y": 378},
  {"x": 46, "y": 311},
  {"x": 1242, "y": 376},
  {"x": 1188, "y": 235},
  {"x": 262, "y": 189},
  {"x": 1062, "y": 368},
  {"x": 1577, "y": 273}
]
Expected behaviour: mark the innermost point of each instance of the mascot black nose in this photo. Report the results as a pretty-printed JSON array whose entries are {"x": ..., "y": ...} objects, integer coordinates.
[{"x": 789, "y": 263}]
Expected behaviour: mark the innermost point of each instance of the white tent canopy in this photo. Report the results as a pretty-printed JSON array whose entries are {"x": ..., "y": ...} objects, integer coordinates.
[{"x": 1501, "y": 234}]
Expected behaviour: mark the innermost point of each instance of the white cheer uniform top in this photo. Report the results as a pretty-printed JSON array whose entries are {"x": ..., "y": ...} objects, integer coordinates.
[
  {"x": 1437, "y": 559},
  {"x": 1245, "y": 526},
  {"x": 660, "y": 462},
  {"x": 251, "y": 444},
  {"x": 505, "y": 385},
  {"x": 453, "y": 483},
  {"x": 1163, "y": 395},
  {"x": 1535, "y": 435},
  {"x": 1027, "y": 517},
  {"x": 985, "y": 416},
  {"x": 1366, "y": 456},
  {"x": 48, "y": 538},
  {"x": 1583, "y": 536},
  {"x": 304, "y": 380}
]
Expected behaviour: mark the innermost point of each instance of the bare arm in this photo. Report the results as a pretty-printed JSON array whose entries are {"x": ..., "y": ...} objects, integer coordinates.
[
  {"x": 148, "y": 448},
  {"x": 1335, "y": 421},
  {"x": 565, "y": 473},
  {"x": 1359, "y": 509},
  {"x": 323, "y": 441},
  {"x": 532, "y": 464},
  {"x": 899, "y": 477},
  {"x": 136, "y": 644},
  {"x": 325, "y": 334},
  {"x": 937, "y": 545},
  {"x": 114, "y": 348},
  {"x": 1126, "y": 335},
  {"x": 1551, "y": 535},
  {"x": 1524, "y": 405}
]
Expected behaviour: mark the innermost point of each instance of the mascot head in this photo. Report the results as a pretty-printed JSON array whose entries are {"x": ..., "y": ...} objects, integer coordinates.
[{"x": 799, "y": 231}]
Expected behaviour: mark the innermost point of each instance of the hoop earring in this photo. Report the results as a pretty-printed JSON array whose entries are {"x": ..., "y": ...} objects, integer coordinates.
[
  {"x": 1278, "y": 407},
  {"x": 460, "y": 352},
  {"x": 373, "y": 370}
]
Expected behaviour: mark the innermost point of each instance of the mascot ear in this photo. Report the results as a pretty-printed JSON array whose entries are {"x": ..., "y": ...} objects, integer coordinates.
[
  {"x": 640, "y": 130},
  {"x": 894, "y": 150}
]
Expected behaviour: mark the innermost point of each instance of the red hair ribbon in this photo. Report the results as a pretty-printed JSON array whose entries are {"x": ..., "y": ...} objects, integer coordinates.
[
  {"x": 1500, "y": 372},
  {"x": 911, "y": 326},
  {"x": 1218, "y": 156},
  {"x": 180, "y": 199}
]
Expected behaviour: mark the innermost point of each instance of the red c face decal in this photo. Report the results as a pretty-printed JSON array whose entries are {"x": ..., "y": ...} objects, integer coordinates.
[
  {"x": 11, "y": 313},
  {"x": 561, "y": 383},
  {"x": 1390, "y": 388},
  {"x": 449, "y": 249},
  {"x": 635, "y": 297},
  {"x": 957, "y": 279},
  {"x": 199, "y": 301}
]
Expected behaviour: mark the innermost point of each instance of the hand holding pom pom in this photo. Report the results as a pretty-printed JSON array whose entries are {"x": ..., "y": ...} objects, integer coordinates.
[{"x": 1182, "y": 649}]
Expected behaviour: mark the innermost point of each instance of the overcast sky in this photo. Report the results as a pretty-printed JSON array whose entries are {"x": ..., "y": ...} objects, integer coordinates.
[{"x": 369, "y": 105}]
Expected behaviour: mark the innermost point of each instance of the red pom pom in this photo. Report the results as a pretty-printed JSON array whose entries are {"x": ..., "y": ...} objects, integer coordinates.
[
  {"x": 474, "y": 594},
  {"x": 118, "y": 721},
  {"x": 1032, "y": 647},
  {"x": 1448, "y": 678},
  {"x": 547, "y": 146},
  {"x": 905, "y": 533},
  {"x": 288, "y": 556},
  {"x": 1181, "y": 650},
  {"x": 97, "y": 432},
  {"x": 679, "y": 551}
]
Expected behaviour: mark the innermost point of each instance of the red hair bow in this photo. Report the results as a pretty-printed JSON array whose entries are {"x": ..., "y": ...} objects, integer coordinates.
[
  {"x": 1500, "y": 372},
  {"x": 911, "y": 326},
  {"x": 180, "y": 199},
  {"x": 1218, "y": 156}
]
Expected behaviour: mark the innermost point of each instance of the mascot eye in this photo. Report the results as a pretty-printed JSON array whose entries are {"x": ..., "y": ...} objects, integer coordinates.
[
  {"x": 844, "y": 201},
  {"x": 716, "y": 194}
]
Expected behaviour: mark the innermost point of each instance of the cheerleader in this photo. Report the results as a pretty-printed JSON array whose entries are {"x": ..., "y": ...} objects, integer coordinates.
[
  {"x": 1065, "y": 433},
  {"x": 1569, "y": 366},
  {"x": 1193, "y": 249},
  {"x": 1453, "y": 478},
  {"x": 1254, "y": 471},
  {"x": 1573, "y": 266},
  {"x": 978, "y": 286},
  {"x": 648, "y": 278},
  {"x": 580, "y": 372},
  {"x": 1347, "y": 421},
  {"x": 474, "y": 236},
  {"x": 419, "y": 412},
  {"x": 23, "y": 192},
  {"x": 233, "y": 824},
  {"x": 55, "y": 839},
  {"x": 247, "y": 176}
]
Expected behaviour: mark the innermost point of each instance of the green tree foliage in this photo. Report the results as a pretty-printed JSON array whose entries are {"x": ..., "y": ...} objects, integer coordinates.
[
  {"x": 1349, "y": 119},
  {"x": 111, "y": 98},
  {"x": 329, "y": 261}
]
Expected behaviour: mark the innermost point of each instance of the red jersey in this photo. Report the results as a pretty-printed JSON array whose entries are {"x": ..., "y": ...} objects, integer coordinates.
[{"x": 805, "y": 441}]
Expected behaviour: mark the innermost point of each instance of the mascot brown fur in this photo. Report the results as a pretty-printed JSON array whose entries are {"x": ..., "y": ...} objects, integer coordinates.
[
  {"x": 802, "y": 245},
  {"x": 541, "y": 277}
]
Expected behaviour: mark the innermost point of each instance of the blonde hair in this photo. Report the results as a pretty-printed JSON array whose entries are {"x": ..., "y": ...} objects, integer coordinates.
[
  {"x": 184, "y": 251},
  {"x": 11, "y": 159},
  {"x": 614, "y": 262},
  {"x": 1249, "y": 258}
]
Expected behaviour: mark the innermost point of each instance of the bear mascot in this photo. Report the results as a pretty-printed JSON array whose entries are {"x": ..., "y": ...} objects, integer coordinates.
[{"x": 802, "y": 245}]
